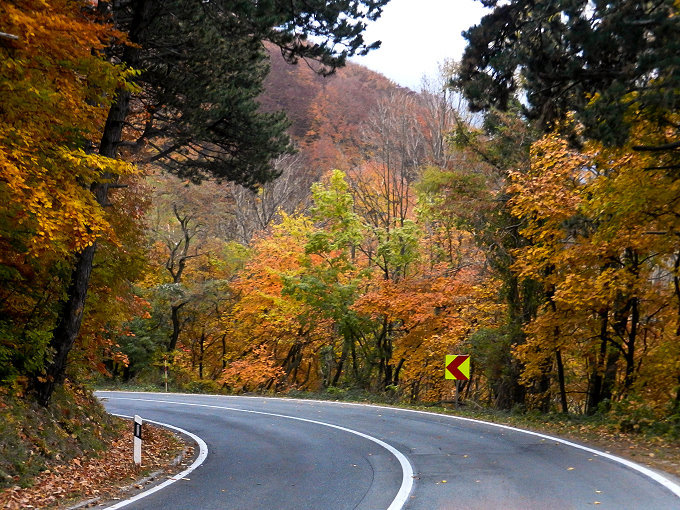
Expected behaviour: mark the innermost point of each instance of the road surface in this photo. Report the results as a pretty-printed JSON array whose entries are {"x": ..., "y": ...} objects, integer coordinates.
[{"x": 267, "y": 453}]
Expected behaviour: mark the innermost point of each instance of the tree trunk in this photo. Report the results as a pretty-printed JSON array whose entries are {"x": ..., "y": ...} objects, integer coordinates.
[
  {"x": 397, "y": 370},
  {"x": 68, "y": 323},
  {"x": 609, "y": 380},
  {"x": 544, "y": 389},
  {"x": 595, "y": 394},
  {"x": 309, "y": 371},
  {"x": 343, "y": 357},
  {"x": 355, "y": 366},
  {"x": 387, "y": 353},
  {"x": 560, "y": 379},
  {"x": 632, "y": 322},
  {"x": 224, "y": 351},
  {"x": 676, "y": 284},
  {"x": 632, "y": 340},
  {"x": 176, "y": 326},
  {"x": 201, "y": 353},
  {"x": 292, "y": 362}
]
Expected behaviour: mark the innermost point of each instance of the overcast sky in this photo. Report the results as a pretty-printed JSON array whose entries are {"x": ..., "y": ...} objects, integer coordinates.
[{"x": 417, "y": 35}]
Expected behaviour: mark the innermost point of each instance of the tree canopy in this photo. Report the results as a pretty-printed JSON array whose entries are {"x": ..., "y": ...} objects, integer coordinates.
[
  {"x": 203, "y": 66},
  {"x": 91, "y": 87},
  {"x": 605, "y": 61},
  {"x": 56, "y": 90}
]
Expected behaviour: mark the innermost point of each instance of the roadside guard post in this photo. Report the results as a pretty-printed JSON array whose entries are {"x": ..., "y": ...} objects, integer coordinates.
[
  {"x": 457, "y": 367},
  {"x": 137, "y": 456}
]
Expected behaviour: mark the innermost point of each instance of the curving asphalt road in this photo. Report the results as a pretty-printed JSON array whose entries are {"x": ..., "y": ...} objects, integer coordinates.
[{"x": 267, "y": 453}]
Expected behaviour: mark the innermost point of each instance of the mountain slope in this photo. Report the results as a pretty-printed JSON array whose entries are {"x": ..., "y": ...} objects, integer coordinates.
[{"x": 326, "y": 113}]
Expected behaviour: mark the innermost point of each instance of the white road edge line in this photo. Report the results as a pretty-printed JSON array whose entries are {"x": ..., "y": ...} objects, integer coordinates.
[
  {"x": 660, "y": 479},
  {"x": 202, "y": 455},
  {"x": 657, "y": 477},
  {"x": 407, "y": 470}
]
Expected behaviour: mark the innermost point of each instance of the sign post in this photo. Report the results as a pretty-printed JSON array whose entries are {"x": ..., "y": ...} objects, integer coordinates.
[
  {"x": 137, "y": 454},
  {"x": 165, "y": 373},
  {"x": 457, "y": 367}
]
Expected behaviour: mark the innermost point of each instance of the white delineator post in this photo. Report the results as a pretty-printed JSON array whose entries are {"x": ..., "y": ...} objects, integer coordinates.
[{"x": 137, "y": 455}]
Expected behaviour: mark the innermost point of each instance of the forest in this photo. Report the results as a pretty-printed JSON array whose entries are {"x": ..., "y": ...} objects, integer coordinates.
[{"x": 197, "y": 196}]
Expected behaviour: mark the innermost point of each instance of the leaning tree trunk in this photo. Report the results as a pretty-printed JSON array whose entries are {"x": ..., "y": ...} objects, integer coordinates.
[
  {"x": 68, "y": 325},
  {"x": 71, "y": 314},
  {"x": 176, "y": 326}
]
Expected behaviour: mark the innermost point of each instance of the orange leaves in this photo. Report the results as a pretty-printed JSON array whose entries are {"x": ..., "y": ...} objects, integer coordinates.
[
  {"x": 314, "y": 292},
  {"x": 431, "y": 315},
  {"x": 601, "y": 225},
  {"x": 64, "y": 208},
  {"x": 551, "y": 191},
  {"x": 264, "y": 316},
  {"x": 252, "y": 373},
  {"x": 94, "y": 477}
]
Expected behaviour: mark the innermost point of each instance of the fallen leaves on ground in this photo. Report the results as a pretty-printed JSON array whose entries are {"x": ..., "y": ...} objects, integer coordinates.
[
  {"x": 97, "y": 477},
  {"x": 655, "y": 452}
]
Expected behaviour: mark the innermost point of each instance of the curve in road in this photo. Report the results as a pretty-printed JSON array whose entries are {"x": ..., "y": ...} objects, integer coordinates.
[
  {"x": 397, "y": 503},
  {"x": 458, "y": 462},
  {"x": 202, "y": 455}
]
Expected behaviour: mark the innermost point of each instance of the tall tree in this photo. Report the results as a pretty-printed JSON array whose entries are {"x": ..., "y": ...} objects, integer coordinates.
[
  {"x": 203, "y": 66},
  {"x": 603, "y": 246},
  {"x": 56, "y": 90},
  {"x": 474, "y": 197},
  {"x": 330, "y": 278},
  {"x": 590, "y": 71},
  {"x": 599, "y": 59}
]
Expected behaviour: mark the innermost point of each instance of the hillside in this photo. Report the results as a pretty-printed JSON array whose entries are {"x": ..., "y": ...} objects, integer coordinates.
[{"x": 326, "y": 113}]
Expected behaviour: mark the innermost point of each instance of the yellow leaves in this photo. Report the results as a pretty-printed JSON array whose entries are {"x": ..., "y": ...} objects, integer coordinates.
[
  {"x": 600, "y": 226},
  {"x": 550, "y": 191},
  {"x": 55, "y": 91},
  {"x": 93, "y": 166},
  {"x": 52, "y": 191}
]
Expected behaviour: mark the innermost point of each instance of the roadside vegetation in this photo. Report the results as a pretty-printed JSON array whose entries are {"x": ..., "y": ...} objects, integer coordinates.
[
  {"x": 73, "y": 451},
  {"x": 162, "y": 222},
  {"x": 33, "y": 438}
]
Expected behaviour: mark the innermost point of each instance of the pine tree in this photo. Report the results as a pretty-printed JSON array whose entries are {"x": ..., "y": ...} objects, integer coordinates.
[
  {"x": 202, "y": 66},
  {"x": 602, "y": 60}
]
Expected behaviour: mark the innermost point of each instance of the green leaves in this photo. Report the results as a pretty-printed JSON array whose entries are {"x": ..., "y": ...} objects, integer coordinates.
[
  {"x": 204, "y": 66},
  {"x": 400, "y": 246},
  {"x": 600, "y": 60},
  {"x": 329, "y": 278},
  {"x": 325, "y": 31}
]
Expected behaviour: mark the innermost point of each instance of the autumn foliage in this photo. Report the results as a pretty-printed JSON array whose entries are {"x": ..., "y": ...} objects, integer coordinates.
[
  {"x": 56, "y": 89},
  {"x": 404, "y": 229},
  {"x": 601, "y": 222}
]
